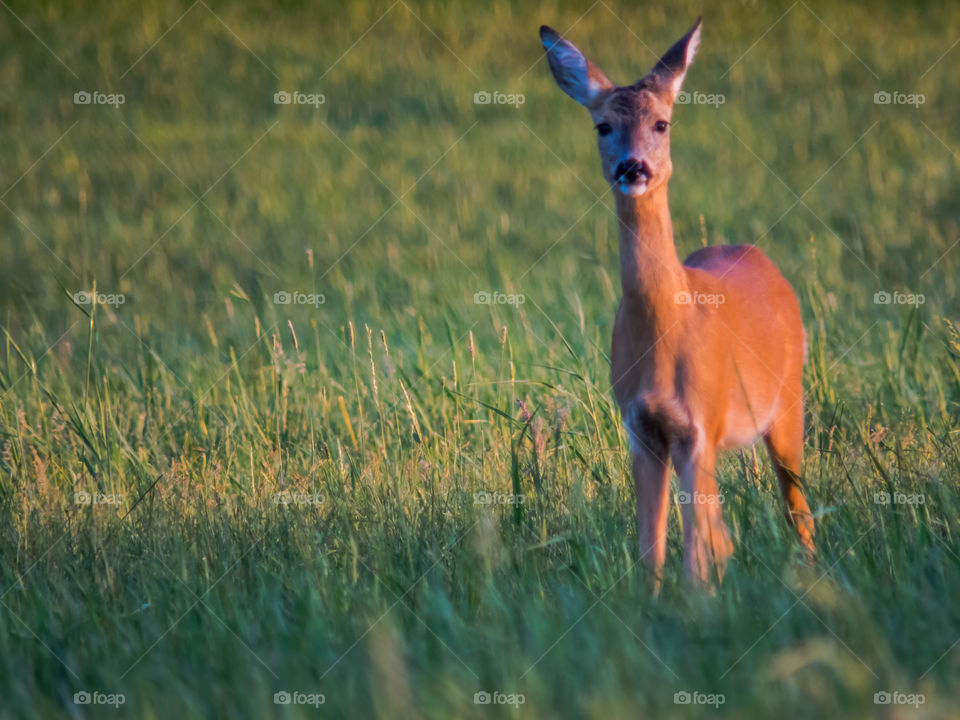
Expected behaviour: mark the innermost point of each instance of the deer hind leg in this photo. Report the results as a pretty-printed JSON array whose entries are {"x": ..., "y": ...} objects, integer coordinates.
[
  {"x": 651, "y": 479},
  {"x": 705, "y": 537},
  {"x": 784, "y": 441}
]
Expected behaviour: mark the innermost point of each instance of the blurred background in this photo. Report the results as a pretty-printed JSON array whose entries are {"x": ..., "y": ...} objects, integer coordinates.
[{"x": 465, "y": 197}]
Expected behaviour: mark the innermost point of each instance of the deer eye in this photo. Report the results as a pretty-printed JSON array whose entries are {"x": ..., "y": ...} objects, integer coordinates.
[
  {"x": 661, "y": 126},
  {"x": 604, "y": 129}
]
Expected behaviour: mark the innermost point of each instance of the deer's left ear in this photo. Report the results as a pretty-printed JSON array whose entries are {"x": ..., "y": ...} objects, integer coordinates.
[
  {"x": 668, "y": 74},
  {"x": 577, "y": 77}
]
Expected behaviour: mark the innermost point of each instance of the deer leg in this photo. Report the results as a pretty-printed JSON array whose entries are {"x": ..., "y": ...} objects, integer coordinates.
[
  {"x": 705, "y": 538},
  {"x": 651, "y": 480},
  {"x": 784, "y": 441}
]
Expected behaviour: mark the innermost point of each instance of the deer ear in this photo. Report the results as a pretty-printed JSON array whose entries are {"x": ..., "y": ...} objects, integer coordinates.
[
  {"x": 668, "y": 74},
  {"x": 577, "y": 77}
]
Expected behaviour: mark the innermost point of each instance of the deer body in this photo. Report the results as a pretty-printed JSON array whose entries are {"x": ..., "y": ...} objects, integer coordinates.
[{"x": 706, "y": 355}]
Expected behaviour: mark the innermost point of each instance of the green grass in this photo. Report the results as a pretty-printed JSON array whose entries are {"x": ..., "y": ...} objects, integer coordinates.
[{"x": 391, "y": 404}]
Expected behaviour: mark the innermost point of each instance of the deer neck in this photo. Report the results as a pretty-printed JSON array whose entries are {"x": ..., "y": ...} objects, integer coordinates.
[{"x": 650, "y": 271}]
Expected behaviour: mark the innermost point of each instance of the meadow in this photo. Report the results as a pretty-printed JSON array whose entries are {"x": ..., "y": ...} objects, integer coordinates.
[{"x": 304, "y": 398}]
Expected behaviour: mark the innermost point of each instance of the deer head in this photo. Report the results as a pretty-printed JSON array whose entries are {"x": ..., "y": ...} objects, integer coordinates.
[{"x": 632, "y": 122}]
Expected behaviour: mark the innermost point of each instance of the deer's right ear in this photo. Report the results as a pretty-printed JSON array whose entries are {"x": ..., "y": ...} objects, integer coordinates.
[
  {"x": 577, "y": 77},
  {"x": 672, "y": 68}
]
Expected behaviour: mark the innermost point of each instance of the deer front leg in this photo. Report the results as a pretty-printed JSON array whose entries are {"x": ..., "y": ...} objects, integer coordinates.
[
  {"x": 705, "y": 538},
  {"x": 651, "y": 480}
]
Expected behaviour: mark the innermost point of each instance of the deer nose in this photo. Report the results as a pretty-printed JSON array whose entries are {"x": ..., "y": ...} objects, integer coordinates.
[{"x": 632, "y": 170}]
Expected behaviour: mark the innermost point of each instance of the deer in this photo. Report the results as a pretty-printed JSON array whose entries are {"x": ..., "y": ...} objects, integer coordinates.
[{"x": 706, "y": 355}]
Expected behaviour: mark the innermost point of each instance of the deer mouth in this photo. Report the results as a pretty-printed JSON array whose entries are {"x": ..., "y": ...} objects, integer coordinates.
[
  {"x": 633, "y": 189},
  {"x": 633, "y": 177}
]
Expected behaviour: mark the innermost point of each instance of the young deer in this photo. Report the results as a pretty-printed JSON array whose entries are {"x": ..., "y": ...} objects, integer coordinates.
[{"x": 707, "y": 355}]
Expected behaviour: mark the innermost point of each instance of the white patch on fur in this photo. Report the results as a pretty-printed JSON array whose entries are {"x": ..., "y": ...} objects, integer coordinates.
[
  {"x": 692, "y": 47},
  {"x": 681, "y": 454},
  {"x": 748, "y": 431},
  {"x": 633, "y": 189}
]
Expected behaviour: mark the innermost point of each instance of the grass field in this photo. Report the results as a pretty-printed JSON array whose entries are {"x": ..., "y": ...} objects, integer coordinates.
[{"x": 391, "y": 494}]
